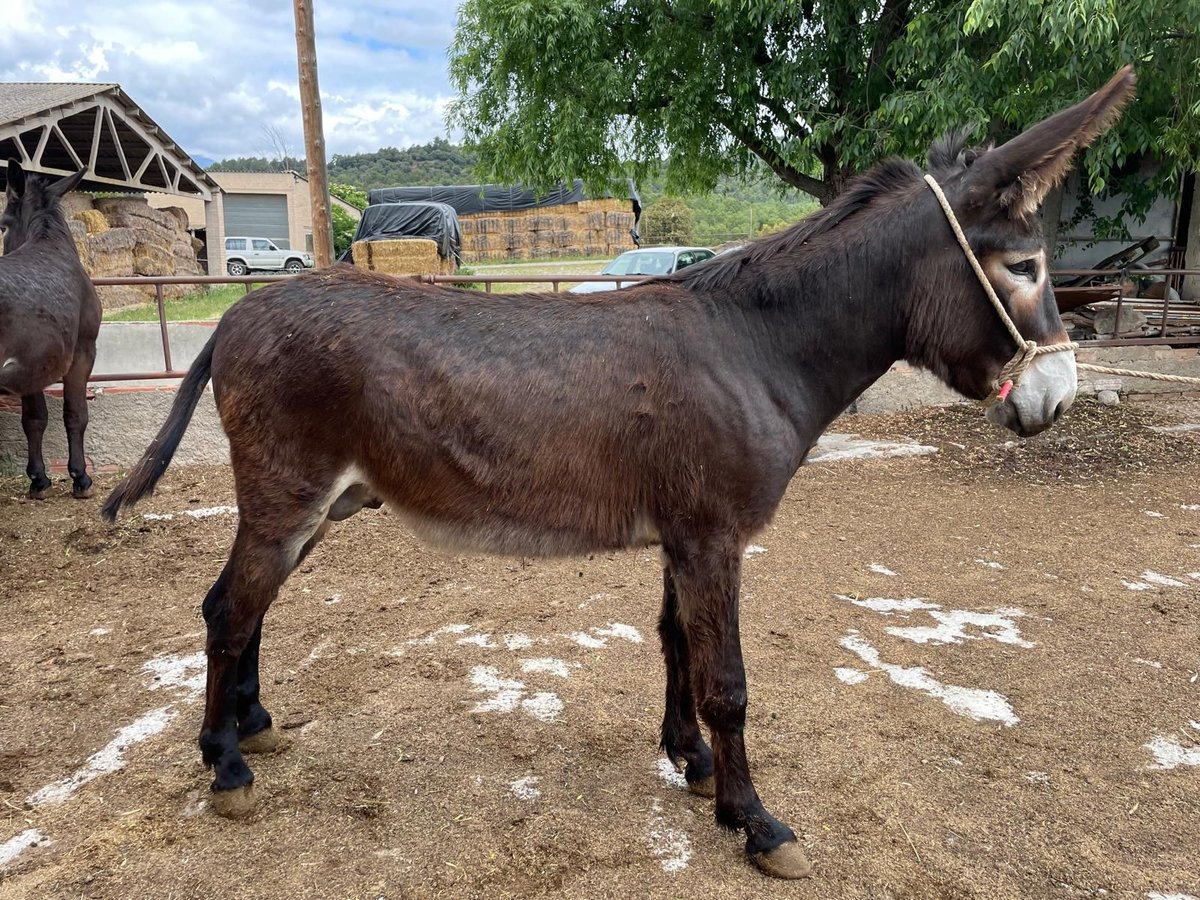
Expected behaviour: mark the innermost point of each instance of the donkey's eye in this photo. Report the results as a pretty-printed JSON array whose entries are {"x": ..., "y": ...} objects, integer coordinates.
[{"x": 1026, "y": 268}]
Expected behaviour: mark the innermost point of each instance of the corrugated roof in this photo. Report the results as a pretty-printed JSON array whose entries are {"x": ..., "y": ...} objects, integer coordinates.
[{"x": 22, "y": 99}]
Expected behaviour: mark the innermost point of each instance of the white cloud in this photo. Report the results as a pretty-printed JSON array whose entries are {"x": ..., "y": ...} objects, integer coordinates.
[{"x": 212, "y": 75}]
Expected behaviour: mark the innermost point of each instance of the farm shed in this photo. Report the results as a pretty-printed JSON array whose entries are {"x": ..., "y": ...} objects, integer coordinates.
[
  {"x": 59, "y": 128},
  {"x": 510, "y": 222}
]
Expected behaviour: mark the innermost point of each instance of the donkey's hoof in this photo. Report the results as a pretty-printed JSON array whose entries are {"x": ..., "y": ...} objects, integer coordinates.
[
  {"x": 235, "y": 804},
  {"x": 705, "y": 787},
  {"x": 84, "y": 493},
  {"x": 785, "y": 861},
  {"x": 266, "y": 741},
  {"x": 36, "y": 493}
]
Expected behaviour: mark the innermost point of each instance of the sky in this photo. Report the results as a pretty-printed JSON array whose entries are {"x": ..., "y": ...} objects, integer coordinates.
[{"x": 213, "y": 74}]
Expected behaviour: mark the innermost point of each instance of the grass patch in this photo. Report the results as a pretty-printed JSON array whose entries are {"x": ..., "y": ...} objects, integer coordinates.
[{"x": 203, "y": 304}]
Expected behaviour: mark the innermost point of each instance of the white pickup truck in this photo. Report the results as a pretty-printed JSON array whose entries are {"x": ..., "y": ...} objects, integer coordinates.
[{"x": 251, "y": 254}]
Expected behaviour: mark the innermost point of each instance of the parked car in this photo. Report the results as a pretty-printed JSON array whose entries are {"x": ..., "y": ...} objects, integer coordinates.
[
  {"x": 645, "y": 261},
  {"x": 252, "y": 254}
]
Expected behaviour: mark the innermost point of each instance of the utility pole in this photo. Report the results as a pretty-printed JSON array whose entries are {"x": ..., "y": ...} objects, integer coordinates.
[{"x": 314, "y": 134}]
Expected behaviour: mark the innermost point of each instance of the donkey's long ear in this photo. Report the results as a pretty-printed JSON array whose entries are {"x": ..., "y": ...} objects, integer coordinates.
[
  {"x": 67, "y": 183},
  {"x": 1022, "y": 172},
  {"x": 16, "y": 177}
]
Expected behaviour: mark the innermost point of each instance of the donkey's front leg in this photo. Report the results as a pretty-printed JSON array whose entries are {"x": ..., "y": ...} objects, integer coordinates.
[
  {"x": 34, "y": 417},
  {"x": 707, "y": 581},
  {"x": 681, "y": 738}
]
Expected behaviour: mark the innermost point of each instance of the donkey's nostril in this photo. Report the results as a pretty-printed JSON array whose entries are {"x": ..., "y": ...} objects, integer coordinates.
[{"x": 1058, "y": 411}]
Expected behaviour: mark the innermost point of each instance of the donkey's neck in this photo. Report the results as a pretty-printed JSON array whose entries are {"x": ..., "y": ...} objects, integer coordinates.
[
  {"x": 50, "y": 225},
  {"x": 831, "y": 322}
]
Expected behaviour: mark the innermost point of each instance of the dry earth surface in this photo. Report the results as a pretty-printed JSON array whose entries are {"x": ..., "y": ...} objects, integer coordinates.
[{"x": 972, "y": 674}]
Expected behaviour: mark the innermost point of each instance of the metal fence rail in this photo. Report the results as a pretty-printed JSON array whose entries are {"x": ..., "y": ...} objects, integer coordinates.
[{"x": 1105, "y": 293}]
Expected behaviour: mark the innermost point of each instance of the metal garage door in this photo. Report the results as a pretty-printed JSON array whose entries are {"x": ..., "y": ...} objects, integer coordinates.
[{"x": 258, "y": 215}]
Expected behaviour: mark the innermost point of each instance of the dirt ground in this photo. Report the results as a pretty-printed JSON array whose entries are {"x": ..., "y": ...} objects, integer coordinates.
[{"x": 472, "y": 727}]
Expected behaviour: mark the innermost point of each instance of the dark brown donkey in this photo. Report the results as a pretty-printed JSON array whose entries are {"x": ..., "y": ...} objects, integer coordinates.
[
  {"x": 49, "y": 318},
  {"x": 674, "y": 412}
]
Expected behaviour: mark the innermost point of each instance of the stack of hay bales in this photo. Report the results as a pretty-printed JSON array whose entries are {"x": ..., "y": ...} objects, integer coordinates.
[
  {"x": 586, "y": 228},
  {"x": 120, "y": 237},
  {"x": 403, "y": 256}
]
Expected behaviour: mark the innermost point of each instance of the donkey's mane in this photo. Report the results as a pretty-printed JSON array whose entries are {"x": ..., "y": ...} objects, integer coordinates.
[{"x": 949, "y": 155}]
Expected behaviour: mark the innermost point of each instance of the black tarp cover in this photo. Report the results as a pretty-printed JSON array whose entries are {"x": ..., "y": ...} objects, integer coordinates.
[
  {"x": 478, "y": 198},
  {"x": 389, "y": 221}
]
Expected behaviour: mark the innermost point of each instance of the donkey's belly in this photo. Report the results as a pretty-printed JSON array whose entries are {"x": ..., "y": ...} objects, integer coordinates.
[{"x": 499, "y": 536}]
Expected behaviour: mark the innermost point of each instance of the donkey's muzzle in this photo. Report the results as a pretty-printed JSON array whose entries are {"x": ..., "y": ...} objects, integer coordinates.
[{"x": 1046, "y": 391}]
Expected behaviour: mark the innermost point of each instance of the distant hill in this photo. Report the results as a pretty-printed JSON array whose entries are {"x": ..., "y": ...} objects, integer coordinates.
[{"x": 438, "y": 162}]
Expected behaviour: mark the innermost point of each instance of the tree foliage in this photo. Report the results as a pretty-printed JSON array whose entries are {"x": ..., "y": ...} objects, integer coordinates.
[
  {"x": 816, "y": 91},
  {"x": 667, "y": 221},
  {"x": 438, "y": 162}
]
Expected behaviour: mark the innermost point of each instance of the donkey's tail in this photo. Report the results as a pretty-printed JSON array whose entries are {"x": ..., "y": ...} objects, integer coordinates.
[{"x": 154, "y": 461}]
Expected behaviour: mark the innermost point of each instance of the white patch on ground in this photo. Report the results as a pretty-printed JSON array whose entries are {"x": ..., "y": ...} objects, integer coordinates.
[
  {"x": 15, "y": 846},
  {"x": 881, "y": 570},
  {"x": 509, "y": 693},
  {"x": 991, "y": 564},
  {"x": 158, "y": 517},
  {"x": 850, "y": 676},
  {"x": 1137, "y": 586},
  {"x": 1195, "y": 576},
  {"x": 333, "y": 598},
  {"x": 525, "y": 788},
  {"x": 506, "y": 692},
  {"x": 185, "y": 673},
  {"x": 108, "y": 759},
  {"x": 886, "y": 605},
  {"x": 543, "y": 706},
  {"x": 100, "y": 632},
  {"x": 598, "y": 637},
  {"x": 1147, "y": 662},
  {"x": 754, "y": 550},
  {"x": 583, "y": 639},
  {"x": 1170, "y": 754},
  {"x": 1190, "y": 507},
  {"x": 432, "y": 637},
  {"x": 479, "y": 640},
  {"x": 952, "y": 628},
  {"x": 975, "y": 703},
  {"x": 195, "y": 806},
  {"x": 208, "y": 512},
  {"x": 670, "y": 846},
  {"x": 668, "y": 773},
  {"x": 517, "y": 641},
  {"x": 1153, "y": 514},
  {"x": 1155, "y": 895},
  {"x": 1163, "y": 580},
  {"x": 547, "y": 664},
  {"x": 834, "y": 447},
  {"x": 1037, "y": 777}
]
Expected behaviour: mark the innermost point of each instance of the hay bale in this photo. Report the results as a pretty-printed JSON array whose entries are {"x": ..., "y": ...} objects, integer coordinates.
[
  {"x": 179, "y": 214},
  {"x": 487, "y": 225},
  {"x": 113, "y": 240},
  {"x": 360, "y": 254},
  {"x": 595, "y": 220},
  {"x": 516, "y": 241},
  {"x": 125, "y": 212},
  {"x": 572, "y": 250},
  {"x": 93, "y": 221},
  {"x": 603, "y": 205},
  {"x": 561, "y": 238},
  {"x": 76, "y": 202},
  {"x": 618, "y": 220},
  {"x": 467, "y": 226},
  {"x": 151, "y": 260},
  {"x": 405, "y": 256}
]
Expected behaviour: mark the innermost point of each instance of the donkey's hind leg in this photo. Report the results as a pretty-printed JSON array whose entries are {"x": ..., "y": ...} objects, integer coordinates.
[
  {"x": 75, "y": 418},
  {"x": 33, "y": 422},
  {"x": 234, "y": 609},
  {"x": 681, "y": 738},
  {"x": 256, "y": 733}
]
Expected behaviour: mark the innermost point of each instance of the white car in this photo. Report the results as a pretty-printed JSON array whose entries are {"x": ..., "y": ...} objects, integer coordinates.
[
  {"x": 252, "y": 254},
  {"x": 645, "y": 261}
]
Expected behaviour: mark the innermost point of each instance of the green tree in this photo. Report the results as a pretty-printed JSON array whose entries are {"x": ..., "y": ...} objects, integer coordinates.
[
  {"x": 667, "y": 221},
  {"x": 816, "y": 91}
]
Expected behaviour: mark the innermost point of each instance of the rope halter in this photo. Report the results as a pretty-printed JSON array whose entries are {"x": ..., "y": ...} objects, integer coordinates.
[{"x": 1027, "y": 351}]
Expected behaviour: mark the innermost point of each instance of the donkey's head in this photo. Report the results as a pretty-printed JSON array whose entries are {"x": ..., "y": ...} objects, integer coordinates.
[
  {"x": 995, "y": 194},
  {"x": 30, "y": 197}
]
